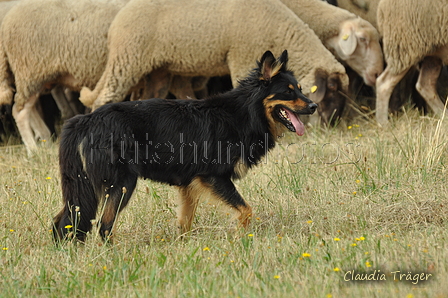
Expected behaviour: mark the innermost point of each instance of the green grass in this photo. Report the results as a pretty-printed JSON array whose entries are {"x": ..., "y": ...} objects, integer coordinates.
[{"x": 353, "y": 198}]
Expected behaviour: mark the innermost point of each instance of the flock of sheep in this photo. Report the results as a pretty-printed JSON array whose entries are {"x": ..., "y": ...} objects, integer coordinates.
[{"x": 109, "y": 49}]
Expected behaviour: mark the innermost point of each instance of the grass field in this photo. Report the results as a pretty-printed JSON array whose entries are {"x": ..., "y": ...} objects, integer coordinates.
[{"x": 334, "y": 205}]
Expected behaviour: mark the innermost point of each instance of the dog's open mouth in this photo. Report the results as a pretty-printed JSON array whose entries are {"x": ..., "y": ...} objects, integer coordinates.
[{"x": 291, "y": 121}]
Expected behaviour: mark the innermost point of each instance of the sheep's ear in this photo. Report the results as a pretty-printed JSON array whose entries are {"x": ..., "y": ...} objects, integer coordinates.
[
  {"x": 318, "y": 91},
  {"x": 347, "y": 41}
]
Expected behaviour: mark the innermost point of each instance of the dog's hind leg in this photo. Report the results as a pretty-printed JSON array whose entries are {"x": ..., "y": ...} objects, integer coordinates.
[
  {"x": 117, "y": 197},
  {"x": 223, "y": 189}
]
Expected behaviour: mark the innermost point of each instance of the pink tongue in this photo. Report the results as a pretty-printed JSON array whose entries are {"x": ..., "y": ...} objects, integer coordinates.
[{"x": 298, "y": 125}]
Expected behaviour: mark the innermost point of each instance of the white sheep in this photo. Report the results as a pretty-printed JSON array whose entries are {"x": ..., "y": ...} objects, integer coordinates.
[
  {"x": 210, "y": 38},
  {"x": 366, "y": 9},
  {"x": 413, "y": 32},
  {"x": 6, "y": 79},
  {"x": 49, "y": 42},
  {"x": 351, "y": 38}
]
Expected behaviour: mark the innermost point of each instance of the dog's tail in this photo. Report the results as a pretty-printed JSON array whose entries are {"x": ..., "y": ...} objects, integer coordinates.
[{"x": 79, "y": 197}]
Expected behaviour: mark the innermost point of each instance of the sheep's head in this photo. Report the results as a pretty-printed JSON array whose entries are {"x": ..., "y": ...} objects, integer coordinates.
[
  {"x": 329, "y": 92},
  {"x": 358, "y": 46}
]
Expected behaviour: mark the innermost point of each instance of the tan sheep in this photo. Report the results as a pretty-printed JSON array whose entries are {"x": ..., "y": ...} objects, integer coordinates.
[
  {"x": 351, "y": 38},
  {"x": 49, "y": 42},
  {"x": 413, "y": 32},
  {"x": 210, "y": 38}
]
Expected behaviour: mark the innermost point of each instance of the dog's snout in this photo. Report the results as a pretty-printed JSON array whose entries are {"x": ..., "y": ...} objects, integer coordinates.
[{"x": 312, "y": 107}]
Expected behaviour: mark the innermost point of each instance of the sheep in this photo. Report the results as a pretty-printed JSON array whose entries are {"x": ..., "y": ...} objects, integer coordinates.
[
  {"x": 50, "y": 42},
  {"x": 366, "y": 9},
  {"x": 212, "y": 38},
  {"x": 413, "y": 32},
  {"x": 6, "y": 91},
  {"x": 352, "y": 39}
]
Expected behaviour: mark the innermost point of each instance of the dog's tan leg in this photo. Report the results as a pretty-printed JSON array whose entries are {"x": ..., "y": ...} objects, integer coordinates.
[
  {"x": 245, "y": 215},
  {"x": 188, "y": 202},
  {"x": 224, "y": 190}
]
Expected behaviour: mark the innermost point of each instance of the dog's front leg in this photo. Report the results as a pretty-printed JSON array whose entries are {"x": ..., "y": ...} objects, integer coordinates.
[
  {"x": 223, "y": 189},
  {"x": 188, "y": 202}
]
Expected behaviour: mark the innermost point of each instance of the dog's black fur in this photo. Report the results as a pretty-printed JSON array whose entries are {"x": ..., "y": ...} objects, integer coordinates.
[{"x": 197, "y": 145}]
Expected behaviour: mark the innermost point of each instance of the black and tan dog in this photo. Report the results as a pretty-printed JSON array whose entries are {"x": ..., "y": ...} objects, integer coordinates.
[{"x": 197, "y": 145}]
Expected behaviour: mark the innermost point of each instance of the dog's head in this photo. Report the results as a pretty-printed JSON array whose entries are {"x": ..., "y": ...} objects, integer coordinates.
[{"x": 285, "y": 100}]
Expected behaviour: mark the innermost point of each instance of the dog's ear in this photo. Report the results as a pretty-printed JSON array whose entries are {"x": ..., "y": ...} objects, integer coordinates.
[
  {"x": 266, "y": 63},
  {"x": 283, "y": 60},
  {"x": 269, "y": 66}
]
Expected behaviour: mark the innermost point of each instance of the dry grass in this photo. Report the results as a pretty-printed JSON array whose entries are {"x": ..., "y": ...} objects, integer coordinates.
[{"x": 357, "y": 197}]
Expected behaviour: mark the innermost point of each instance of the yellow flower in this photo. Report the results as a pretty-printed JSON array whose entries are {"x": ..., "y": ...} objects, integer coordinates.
[
  {"x": 353, "y": 244},
  {"x": 206, "y": 249},
  {"x": 5, "y": 248},
  {"x": 358, "y": 181},
  {"x": 309, "y": 222},
  {"x": 336, "y": 269},
  {"x": 368, "y": 264},
  {"x": 68, "y": 226},
  {"x": 354, "y": 193},
  {"x": 349, "y": 127},
  {"x": 104, "y": 267},
  {"x": 11, "y": 230},
  {"x": 48, "y": 178},
  {"x": 336, "y": 239},
  {"x": 276, "y": 276},
  {"x": 362, "y": 238},
  {"x": 329, "y": 295},
  {"x": 250, "y": 235},
  {"x": 409, "y": 296},
  {"x": 306, "y": 255}
]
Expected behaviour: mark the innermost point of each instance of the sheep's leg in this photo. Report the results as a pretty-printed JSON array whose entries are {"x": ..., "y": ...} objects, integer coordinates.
[
  {"x": 181, "y": 87},
  {"x": 427, "y": 82},
  {"x": 22, "y": 116},
  {"x": 73, "y": 102},
  {"x": 113, "y": 86},
  {"x": 385, "y": 85},
  {"x": 62, "y": 102},
  {"x": 199, "y": 85},
  {"x": 40, "y": 129},
  {"x": 157, "y": 84}
]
